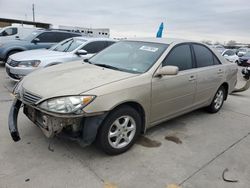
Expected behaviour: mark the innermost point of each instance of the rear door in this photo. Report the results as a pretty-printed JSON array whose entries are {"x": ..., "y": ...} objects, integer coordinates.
[
  {"x": 174, "y": 94},
  {"x": 210, "y": 73}
]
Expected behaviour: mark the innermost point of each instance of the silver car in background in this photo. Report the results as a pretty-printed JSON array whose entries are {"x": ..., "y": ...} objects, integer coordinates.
[{"x": 77, "y": 48}]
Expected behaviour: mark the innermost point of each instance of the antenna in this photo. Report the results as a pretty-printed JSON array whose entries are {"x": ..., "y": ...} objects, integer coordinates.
[{"x": 33, "y": 10}]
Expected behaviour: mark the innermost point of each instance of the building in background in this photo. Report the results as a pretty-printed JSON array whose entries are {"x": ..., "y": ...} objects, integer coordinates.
[{"x": 88, "y": 32}]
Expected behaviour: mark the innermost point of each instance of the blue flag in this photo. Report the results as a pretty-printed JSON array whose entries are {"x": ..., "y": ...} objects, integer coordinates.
[{"x": 160, "y": 30}]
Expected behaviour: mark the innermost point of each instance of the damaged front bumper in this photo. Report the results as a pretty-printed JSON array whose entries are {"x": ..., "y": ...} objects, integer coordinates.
[{"x": 81, "y": 128}]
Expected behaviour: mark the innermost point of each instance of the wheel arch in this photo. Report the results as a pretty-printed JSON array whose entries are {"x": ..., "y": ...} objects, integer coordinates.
[
  {"x": 226, "y": 87},
  {"x": 138, "y": 107},
  {"x": 13, "y": 50}
]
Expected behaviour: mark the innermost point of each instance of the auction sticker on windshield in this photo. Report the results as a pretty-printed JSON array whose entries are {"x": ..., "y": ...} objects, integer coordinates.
[{"x": 149, "y": 48}]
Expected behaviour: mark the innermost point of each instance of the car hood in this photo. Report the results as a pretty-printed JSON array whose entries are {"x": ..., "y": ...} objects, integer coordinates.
[
  {"x": 37, "y": 55},
  {"x": 70, "y": 79}
]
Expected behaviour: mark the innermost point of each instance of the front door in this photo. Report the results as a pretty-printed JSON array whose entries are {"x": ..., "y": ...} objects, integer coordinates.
[{"x": 174, "y": 94}]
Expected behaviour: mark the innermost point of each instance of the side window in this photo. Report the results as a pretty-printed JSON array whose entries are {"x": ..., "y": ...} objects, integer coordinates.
[
  {"x": 10, "y": 31},
  {"x": 94, "y": 47},
  {"x": 227, "y": 52},
  {"x": 62, "y": 36},
  {"x": 204, "y": 56},
  {"x": 216, "y": 61},
  {"x": 48, "y": 37},
  {"x": 181, "y": 57},
  {"x": 108, "y": 43}
]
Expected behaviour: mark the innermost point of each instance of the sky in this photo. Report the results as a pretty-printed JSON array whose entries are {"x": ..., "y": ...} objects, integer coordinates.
[{"x": 215, "y": 20}]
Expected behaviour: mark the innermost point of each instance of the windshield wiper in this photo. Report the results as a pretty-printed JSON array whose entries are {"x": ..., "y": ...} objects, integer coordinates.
[{"x": 107, "y": 66}]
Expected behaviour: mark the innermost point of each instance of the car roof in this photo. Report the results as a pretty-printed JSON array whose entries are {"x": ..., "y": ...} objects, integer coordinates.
[
  {"x": 95, "y": 39},
  {"x": 57, "y": 31},
  {"x": 160, "y": 40}
]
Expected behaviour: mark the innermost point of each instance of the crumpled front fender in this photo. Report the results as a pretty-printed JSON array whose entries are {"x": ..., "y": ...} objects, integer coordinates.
[{"x": 12, "y": 121}]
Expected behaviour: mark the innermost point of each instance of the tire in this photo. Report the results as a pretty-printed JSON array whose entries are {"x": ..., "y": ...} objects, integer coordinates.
[
  {"x": 218, "y": 100},
  {"x": 115, "y": 136}
]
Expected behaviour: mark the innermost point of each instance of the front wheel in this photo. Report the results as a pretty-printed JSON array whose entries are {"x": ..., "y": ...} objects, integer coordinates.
[
  {"x": 119, "y": 130},
  {"x": 218, "y": 100}
]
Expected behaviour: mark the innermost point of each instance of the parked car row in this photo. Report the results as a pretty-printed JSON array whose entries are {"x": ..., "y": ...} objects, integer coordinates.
[
  {"x": 72, "y": 49},
  {"x": 117, "y": 94},
  {"x": 12, "y": 32},
  {"x": 240, "y": 56},
  {"x": 36, "y": 40}
]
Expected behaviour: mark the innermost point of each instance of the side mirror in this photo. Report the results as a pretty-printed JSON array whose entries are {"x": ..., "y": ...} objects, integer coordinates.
[
  {"x": 81, "y": 52},
  {"x": 36, "y": 40},
  {"x": 167, "y": 70}
]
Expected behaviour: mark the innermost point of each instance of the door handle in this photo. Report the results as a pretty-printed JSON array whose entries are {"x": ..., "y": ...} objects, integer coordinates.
[{"x": 192, "y": 78}]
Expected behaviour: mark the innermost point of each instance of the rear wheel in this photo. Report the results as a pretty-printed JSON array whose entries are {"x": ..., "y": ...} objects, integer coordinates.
[
  {"x": 119, "y": 130},
  {"x": 218, "y": 100}
]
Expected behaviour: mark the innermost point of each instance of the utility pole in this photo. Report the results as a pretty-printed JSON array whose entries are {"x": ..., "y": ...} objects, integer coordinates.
[{"x": 33, "y": 10}]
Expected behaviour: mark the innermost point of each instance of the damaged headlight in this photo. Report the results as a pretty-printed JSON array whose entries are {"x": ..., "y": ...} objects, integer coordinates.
[
  {"x": 65, "y": 105},
  {"x": 17, "y": 87}
]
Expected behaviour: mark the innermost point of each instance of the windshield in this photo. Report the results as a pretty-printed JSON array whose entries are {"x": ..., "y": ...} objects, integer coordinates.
[
  {"x": 130, "y": 56},
  {"x": 68, "y": 45}
]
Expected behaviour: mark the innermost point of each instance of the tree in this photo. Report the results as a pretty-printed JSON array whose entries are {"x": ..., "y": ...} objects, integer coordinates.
[
  {"x": 208, "y": 42},
  {"x": 217, "y": 43},
  {"x": 231, "y": 43}
]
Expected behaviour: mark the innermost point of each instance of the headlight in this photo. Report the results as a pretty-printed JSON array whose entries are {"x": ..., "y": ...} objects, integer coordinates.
[
  {"x": 65, "y": 105},
  {"x": 31, "y": 63}
]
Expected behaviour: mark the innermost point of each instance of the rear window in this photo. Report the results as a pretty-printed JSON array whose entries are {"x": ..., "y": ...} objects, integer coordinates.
[{"x": 203, "y": 55}]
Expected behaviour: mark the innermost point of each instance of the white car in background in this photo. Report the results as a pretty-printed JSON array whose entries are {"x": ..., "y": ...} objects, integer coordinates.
[
  {"x": 218, "y": 48},
  {"x": 72, "y": 49},
  {"x": 12, "y": 32},
  {"x": 231, "y": 56},
  {"x": 242, "y": 51}
]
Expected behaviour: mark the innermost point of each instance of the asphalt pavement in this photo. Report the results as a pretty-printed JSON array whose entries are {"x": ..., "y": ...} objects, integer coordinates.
[{"x": 191, "y": 151}]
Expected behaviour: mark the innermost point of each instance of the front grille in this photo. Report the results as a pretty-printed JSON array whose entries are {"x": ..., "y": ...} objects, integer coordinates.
[
  {"x": 30, "y": 98},
  {"x": 12, "y": 63}
]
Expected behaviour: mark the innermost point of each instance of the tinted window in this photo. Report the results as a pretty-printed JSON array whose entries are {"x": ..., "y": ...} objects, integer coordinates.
[
  {"x": 229, "y": 53},
  {"x": 48, "y": 37},
  {"x": 216, "y": 61},
  {"x": 204, "y": 56},
  {"x": 94, "y": 47},
  {"x": 62, "y": 36},
  {"x": 181, "y": 57},
  {"x": 108, "y": 43},
  {"x": 10, "y": 31}
]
